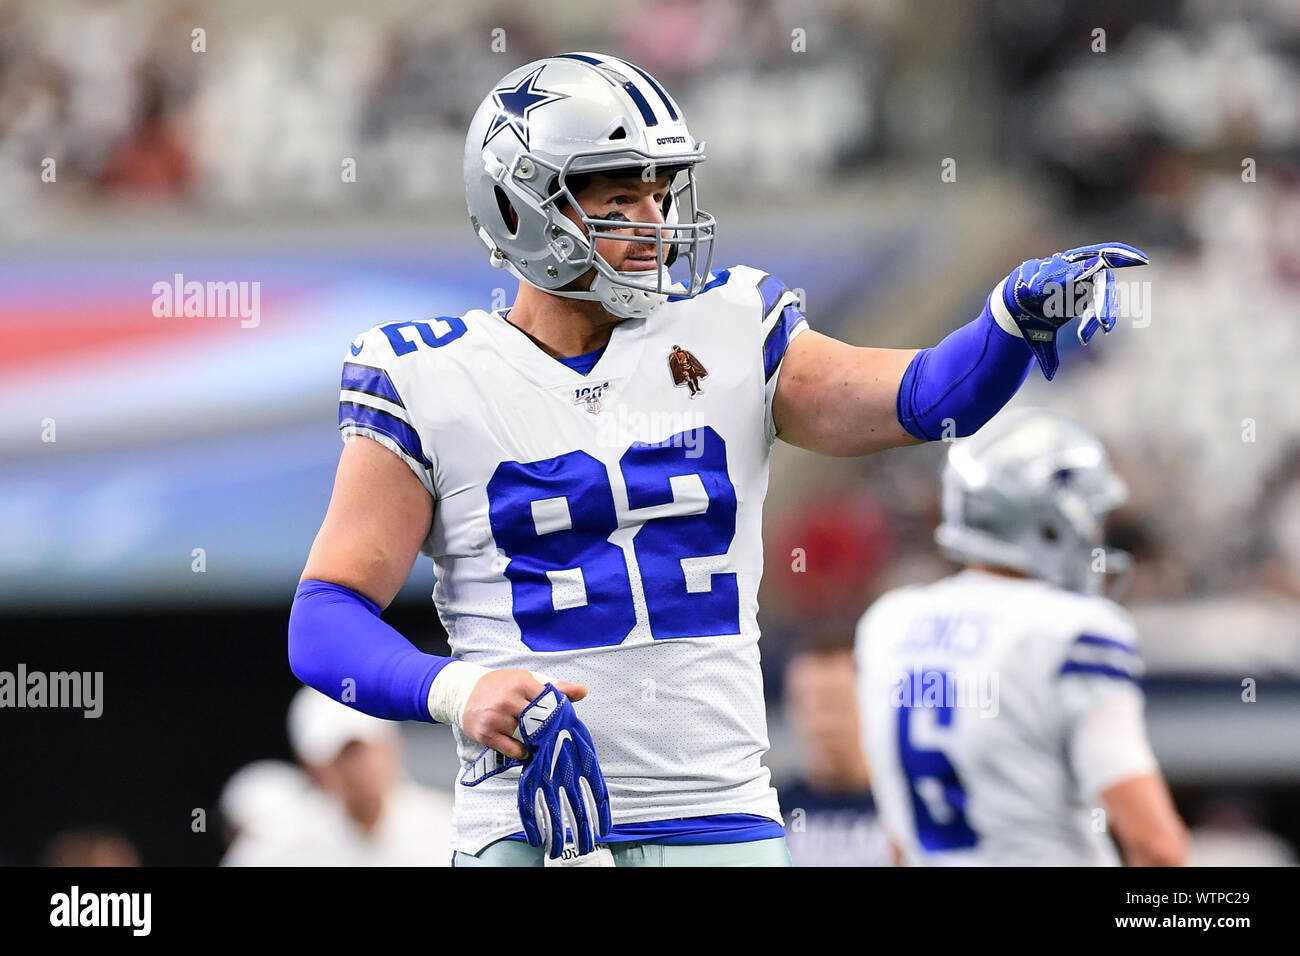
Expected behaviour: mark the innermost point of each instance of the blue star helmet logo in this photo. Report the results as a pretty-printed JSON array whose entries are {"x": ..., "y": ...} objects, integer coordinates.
[{"x": 514, "y": 103}]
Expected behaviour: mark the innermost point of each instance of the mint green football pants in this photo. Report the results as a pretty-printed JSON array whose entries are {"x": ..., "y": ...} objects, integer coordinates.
[{"x": 753, "y": 853}]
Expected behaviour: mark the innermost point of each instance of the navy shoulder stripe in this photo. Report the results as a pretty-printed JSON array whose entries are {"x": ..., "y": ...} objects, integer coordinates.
[
  {"x": 371, "y": 381},
  {"x": 778, "y": 340},
  {"x": 1102, "y": 656},
  {"x": 1096, "y": 640},
  {"x": 350, "y": 413},
  {"x": 770, "y": 288},
  {"x": 1099, "y": 670}
]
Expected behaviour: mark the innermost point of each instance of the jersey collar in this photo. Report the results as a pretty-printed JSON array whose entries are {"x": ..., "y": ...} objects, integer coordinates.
[{"x": 619, "y": 360}]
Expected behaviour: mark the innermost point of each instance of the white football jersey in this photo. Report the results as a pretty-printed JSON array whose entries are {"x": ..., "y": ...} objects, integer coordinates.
[
  {"x": 603, "y": 529},
  {"x": 972, "y": 689}
]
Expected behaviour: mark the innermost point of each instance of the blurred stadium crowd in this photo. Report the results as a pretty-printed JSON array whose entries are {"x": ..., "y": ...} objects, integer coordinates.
[
  {"x": 1165, "y": 133},
  {"x": 1181, "y": 134},
  {"x": 117, "y": 89}
]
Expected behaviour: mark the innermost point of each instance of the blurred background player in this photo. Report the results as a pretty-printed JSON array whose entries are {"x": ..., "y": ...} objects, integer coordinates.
[
  {"x": 350, "y": 804},
  {"x": 270, "y": 810},
  {"x": 1004, "y": 720},
  {"x": 380, "y": 818},
  {"x": 830, "y": 816}
]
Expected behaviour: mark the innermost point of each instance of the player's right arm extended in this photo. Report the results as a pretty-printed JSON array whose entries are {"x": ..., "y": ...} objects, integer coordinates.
[{"x": 378, "y": 517}]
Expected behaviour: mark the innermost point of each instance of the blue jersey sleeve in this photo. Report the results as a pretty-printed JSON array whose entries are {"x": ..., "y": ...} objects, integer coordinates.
[{"x": 782, "y": 321}]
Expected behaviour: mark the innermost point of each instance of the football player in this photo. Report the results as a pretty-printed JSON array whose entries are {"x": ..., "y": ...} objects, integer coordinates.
[
  {"x": 587, "y": 467},
  {"x": 1003, "y": 707}
]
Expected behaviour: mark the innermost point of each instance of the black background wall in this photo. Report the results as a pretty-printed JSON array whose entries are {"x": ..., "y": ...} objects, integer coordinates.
[{"x": 188, "y": 698}]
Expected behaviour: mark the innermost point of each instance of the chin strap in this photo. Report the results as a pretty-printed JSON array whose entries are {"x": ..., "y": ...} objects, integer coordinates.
[{"x": 620, "y": 300}]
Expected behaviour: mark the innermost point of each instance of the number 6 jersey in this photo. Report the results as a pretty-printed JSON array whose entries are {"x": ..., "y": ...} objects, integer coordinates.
[
  {"x": 601, "y": 528},
  {"x": 979, "y": 697}
]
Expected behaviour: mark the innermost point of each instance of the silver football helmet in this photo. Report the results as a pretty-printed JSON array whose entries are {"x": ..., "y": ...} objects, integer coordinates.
[
  {"x": 557, "y": 119},
  {"x": 1030, "y": 491}
]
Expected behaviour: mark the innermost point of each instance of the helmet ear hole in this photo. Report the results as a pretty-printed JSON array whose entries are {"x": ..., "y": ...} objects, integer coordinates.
[
  {"x": 1049, "y": 533},
  {"x": 620, "y": 133},
  {"x": 508, "y": 215},
  {"x": 670, "y": 217}
]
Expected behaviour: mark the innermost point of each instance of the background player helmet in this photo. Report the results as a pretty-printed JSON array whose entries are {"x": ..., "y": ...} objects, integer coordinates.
[
  {"x": 549, "y": 123},
  {"x": 1030, "y": 491}
]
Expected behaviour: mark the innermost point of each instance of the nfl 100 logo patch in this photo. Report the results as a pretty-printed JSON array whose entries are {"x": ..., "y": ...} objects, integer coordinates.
[{"x": 591, "y": 396}]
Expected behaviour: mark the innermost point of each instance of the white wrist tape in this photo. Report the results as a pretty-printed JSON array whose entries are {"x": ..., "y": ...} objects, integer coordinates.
[
  {"x": 1000, "y": 314},
  {"x": 450, "y": 690}
]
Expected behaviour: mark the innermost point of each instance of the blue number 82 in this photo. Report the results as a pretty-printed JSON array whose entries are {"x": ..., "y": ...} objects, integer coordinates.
[{"x": 572, "y": 587}]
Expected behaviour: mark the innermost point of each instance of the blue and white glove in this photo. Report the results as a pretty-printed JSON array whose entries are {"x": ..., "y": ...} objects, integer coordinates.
[
  {"x": 561, "y": 779},
  {"x": 1038, "y": 298}
]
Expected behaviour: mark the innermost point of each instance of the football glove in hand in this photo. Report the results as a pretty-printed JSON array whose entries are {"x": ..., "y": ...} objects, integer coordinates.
[
  {"x": 560, "y": 770},
  {"x": 1039, "y": 296},
  {"x": 561, "y": 779}
]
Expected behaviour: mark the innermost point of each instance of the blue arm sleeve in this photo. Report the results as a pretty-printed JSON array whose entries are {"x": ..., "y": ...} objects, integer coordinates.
[
  {"x": 967, "y": 377},
  {"x": 336, "y": 634}
]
